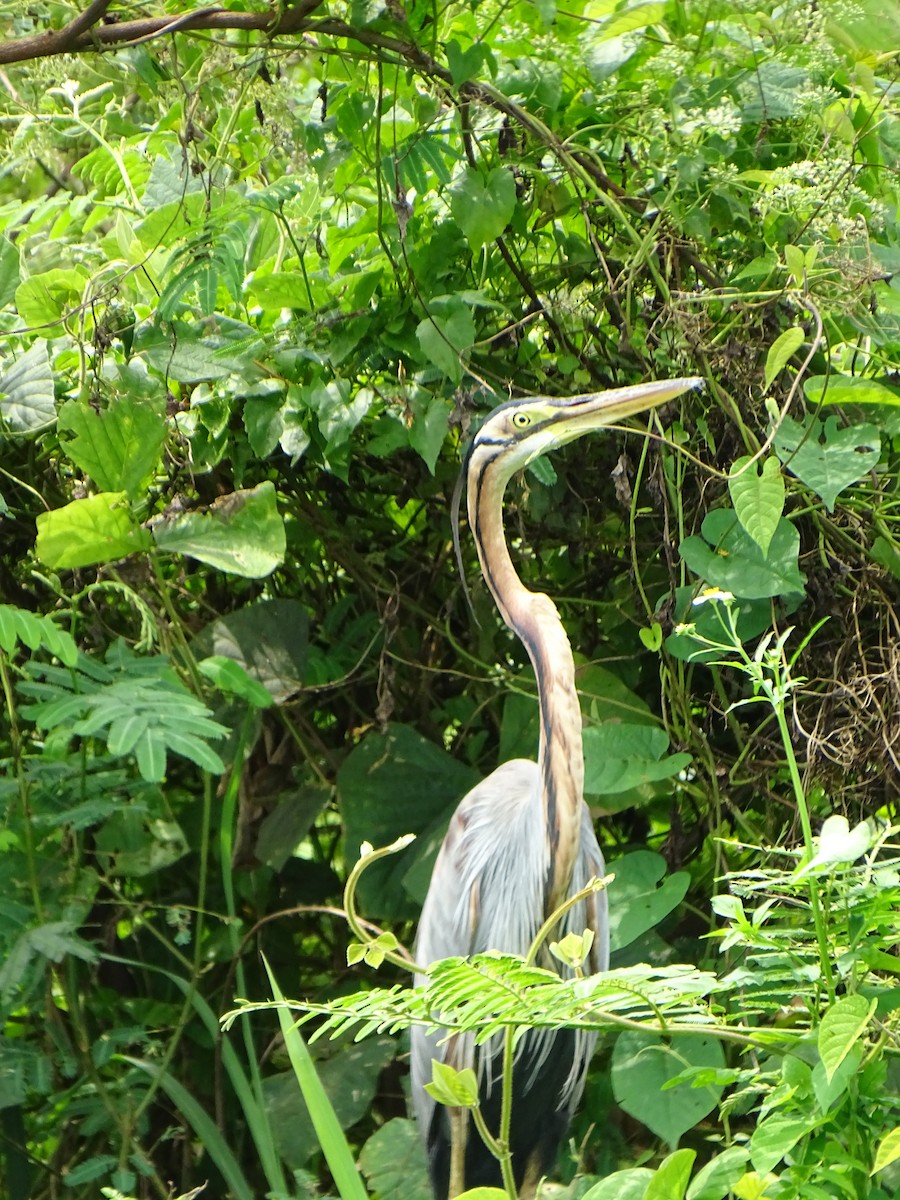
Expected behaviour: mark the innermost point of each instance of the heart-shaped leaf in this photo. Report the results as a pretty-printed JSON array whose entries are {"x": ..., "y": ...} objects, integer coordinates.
[{"x": 825, "y": 457}]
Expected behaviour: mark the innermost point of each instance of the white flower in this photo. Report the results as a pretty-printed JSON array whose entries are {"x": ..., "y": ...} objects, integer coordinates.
[{"x": 711, "y": 593}]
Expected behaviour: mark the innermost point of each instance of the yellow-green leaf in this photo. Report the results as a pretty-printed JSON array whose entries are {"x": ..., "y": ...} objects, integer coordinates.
[
  {"x": 99, "y": 529},
  {"x": 888, "y": 1150},
  {"x": 781, "y": 351}
]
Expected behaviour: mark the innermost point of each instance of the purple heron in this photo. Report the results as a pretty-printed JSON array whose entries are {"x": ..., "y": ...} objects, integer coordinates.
[{"x": 522, "y": 841}]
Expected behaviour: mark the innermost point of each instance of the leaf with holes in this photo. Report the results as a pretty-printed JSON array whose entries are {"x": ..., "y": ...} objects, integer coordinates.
[{"x": 826, "y": 458}]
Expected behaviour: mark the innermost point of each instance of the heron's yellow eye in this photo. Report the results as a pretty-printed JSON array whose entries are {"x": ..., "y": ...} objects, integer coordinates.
[{"x": 521, "y": 420}]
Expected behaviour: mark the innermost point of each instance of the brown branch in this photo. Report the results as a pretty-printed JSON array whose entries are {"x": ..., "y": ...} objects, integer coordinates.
[
  {"x": 70, "y": 33},
  {"x": 78, "y": 36}
]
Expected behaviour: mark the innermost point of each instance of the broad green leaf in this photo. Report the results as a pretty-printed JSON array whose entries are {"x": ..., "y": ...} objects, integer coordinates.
[
  {"x": 727, "y": 557},
  {"x": 44, "y": 300},
  {"x": 754, "y": 618},
  {"x": 641, "y": 895},
  {"x": 630, "y": 1184},
  {"x": 850, "y": 389},
  {"x": 229, "y": 676},
  {"x": 289, "y": 821},
  {"x": 27, "y": 397},
  {"x": 268, "y": 638},
  {"x": 758, "y": 497},
  {"x": 348, "y": 1075},
  {"x": 718, "y": 1177},
  {"x": 118, "y": 447},
  {"x": 195, "y": 352},
  {"x": 483, "y": 1193},
  {"x": 393, "y": 1162},
  {"x": 241, "y": 533},
  {"x": 483, "y": 204},
  {"x": 466, "y": 64},
  {"x": 133, "y": 844},
  {"x": 445, "y": 339},
  {"x": 776, "y": 93},
  {"x": 281, "y": 289},
  {"x": 9, "y": 271},
  {"x": 99, "y": 529},
  {"x": 636, "y": 16},
  {"x": 430, "y": 425},
  {"x": 885, "y": 553},
  {"x": 264, "y": 421},
  {"x": 338, "y": 408},
  {"x": 826, "y": 458},
  {"x": 888, "y": 1150},
  {"x": 841, "y": 1028},
  {"x": 829, "y": 1091},
  {"x": 751, "y": 1186},
  {"x": 795, "y": 260},
  {"x": 643, "y": 1062},
  {"x": 651, "y": 636},
  {"x": 619, "y": 757},
  {"x": 775, "y": 1137},
  {"x": 670, "y": 1179}
]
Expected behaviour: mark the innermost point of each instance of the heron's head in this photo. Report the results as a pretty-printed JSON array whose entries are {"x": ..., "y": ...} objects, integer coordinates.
[{"x": 518, "y": 432}]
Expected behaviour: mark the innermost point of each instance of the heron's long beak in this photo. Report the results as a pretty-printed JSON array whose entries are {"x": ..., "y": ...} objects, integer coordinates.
[{"x": 597, "y": 410}]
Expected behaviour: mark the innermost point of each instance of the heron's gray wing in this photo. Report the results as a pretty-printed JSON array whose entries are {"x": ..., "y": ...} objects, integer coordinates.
[{"x": 478, "y": 898}]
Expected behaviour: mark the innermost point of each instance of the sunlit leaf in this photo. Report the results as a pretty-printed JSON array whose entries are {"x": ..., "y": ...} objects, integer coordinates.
[
  {"x": 27, "y": 396},
  {"x": 98, "y": 529},
  {"x": 242, "y": 533},
  {"x": 670, "y": 1179},
  {"x": 888, "y": 1150},
  {"x": 119, "y": 446},
  {"x": 482, "y": 204},
  {"x": 842, "y": 1026},
  {"x": 44, "y": 300}
]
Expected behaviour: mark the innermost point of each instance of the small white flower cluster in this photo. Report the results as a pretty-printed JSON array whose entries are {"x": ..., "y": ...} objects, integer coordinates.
[{"x": 822, "y": 194}]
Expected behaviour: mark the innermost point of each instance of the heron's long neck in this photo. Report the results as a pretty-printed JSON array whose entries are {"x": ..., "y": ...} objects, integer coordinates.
[{"x": 533, "y": 617}]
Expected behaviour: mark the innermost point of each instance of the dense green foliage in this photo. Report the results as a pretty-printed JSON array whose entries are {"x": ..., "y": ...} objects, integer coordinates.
[{"x": 257, "y": 279}]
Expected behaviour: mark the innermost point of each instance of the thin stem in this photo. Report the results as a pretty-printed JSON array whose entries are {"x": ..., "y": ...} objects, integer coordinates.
[{"x": 809, "y": 849}]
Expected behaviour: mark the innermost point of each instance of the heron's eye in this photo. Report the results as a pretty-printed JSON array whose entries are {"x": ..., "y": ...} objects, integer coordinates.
[{"x": 521, "y": 420}]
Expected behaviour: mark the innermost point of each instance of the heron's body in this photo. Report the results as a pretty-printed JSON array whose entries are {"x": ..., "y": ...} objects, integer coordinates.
[
  {"x": 487, "y": 865},
  {"x": 522, "y": 841}
]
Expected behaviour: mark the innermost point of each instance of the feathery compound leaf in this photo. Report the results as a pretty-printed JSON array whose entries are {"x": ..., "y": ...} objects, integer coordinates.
[
  {"x": 140, "y": 705},
  {"x": 485, "y": 994},
  {"x": 17, "y": 625}
]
